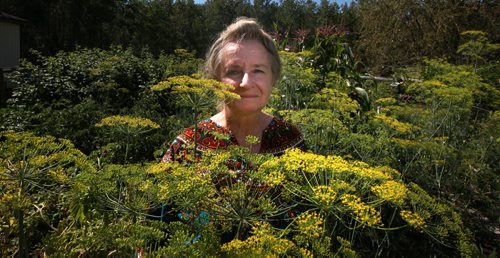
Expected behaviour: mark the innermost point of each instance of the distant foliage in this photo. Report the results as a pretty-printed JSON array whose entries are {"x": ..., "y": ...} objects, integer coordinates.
[{"x": 67, "y": 94}]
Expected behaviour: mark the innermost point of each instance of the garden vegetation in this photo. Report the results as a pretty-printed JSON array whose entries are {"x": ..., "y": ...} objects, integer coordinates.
[{"x": 393, "y": 169}]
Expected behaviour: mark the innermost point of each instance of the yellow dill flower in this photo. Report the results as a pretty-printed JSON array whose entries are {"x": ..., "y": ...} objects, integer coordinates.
[
  {"x": 310, "y": 224},
  {"x": 251, "y": 139},
  {"x": 274, "y": 178},
  {"x": 186, "y": 84},
  {"x": 340, "y": 185},
  {"x": 438, "y": 162},
  {"x": 391, "y": 191},
  {"x": 296, "y": 159},
  {"x": 235, "y": 247},
  {"x": 129, "y": 121},
  {"x": 413, "y": 219},
  {"x": 164, "y": 191},
  {"x": 305, "y": 253},
  {"x": 386, "y": 101},
  {"x": 325, "y": 195},
  {"x": 358, "y": 168},
  {"x": 372, "y": 173},
  {"x": 59, "y": 175},
  {"x": 395, "y": 124},
  {"x": 391, "y": 172},
  {"x": 338, "y": 164},
  {"x": 163, "y": 85},
  {"x": 262, "y": 245},
  {"x": 270, "y": 164},
  {"x": 39, "y": 160},
  {"x": 6, "y": 198},
  {"x": 158, "y": 168},
  {"x": 363, "y": 213},
  {"x": 145, "y": 185},
  {"x": 441, "y": 139}
]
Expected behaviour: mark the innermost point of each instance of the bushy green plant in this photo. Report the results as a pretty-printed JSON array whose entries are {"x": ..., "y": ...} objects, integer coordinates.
[
  {"x": 475, "y": 47},
  {"x": 182, "y": 62},
  {"x": 318, "y": 125},
  {"x": 35, "y": 175},
  {"x": 339, "y": 103},
  {"x": 71, "y": 77},
  {"x": 331, "y": 53},
  {"x": 295, "y": 89}
]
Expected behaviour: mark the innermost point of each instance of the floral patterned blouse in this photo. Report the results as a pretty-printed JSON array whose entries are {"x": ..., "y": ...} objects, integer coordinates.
[{"x": 278, "y": 136}]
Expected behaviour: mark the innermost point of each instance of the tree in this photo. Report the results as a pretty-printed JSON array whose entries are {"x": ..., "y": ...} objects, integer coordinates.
[{"x": 401, "y": 32}]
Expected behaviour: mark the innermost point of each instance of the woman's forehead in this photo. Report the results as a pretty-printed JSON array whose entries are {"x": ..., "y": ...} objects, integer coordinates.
[{"x": 245, "y": 51}]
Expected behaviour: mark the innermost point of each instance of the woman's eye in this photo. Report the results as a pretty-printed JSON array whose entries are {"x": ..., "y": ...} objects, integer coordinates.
[
  {"x": 259, "y": 71},
  {"x": 233, "y": 73}
]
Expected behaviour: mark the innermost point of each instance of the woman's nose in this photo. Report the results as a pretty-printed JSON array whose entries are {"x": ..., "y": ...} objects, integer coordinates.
[{"x": 246, "y": 80}]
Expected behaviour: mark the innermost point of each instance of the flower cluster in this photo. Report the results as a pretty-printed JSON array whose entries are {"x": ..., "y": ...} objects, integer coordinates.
[
  {"x": 391, "y": 191},
  {"x": 296, "y": 160},
  {"x": 274, "y": 178},
  {"x": 158, "y": 168},
  {"x": 357, "y": 167},
  {"x": 308, "y": 162},
  {"x": 324, "y": 194},
  {"x": 129, "y": 121},
  {"x": 310, "y": 224},
  {"x": 187, "y": 84},
  {"x": 400, "y": 127},
  {"x": 364, "y": 213},
  {"x": 413, "y": 219},
  {"x": 386, "y": 101},
  {"x": 341, "y": 186},
  {"x": 262, "y": 243}
]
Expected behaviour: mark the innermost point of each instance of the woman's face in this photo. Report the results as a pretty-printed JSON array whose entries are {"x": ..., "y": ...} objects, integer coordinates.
[{"x": 247, "y": 66}]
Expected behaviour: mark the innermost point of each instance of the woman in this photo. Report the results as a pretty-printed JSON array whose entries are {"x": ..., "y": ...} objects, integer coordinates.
[{"x": 245, "y": 57}]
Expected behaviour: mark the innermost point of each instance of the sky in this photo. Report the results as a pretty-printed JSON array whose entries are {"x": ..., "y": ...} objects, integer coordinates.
[{"x": 337, "y": 1}]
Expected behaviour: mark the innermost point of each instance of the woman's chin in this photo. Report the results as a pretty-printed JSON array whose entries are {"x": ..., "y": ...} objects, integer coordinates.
[{"x": 245, "y": 107}]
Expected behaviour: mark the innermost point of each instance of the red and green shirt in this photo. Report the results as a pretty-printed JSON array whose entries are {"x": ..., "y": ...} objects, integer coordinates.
[{"x": 278, "y": 136}]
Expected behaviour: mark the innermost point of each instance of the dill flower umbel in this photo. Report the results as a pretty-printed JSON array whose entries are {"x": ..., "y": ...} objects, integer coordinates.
[
  {"x": 399, "y": 126},
  {"x": 158, "y": 168},
  {"x": 274, "y": 178},
  {"x": 363, "y": 213},
  {"x": 358, "y": 168},
  {"x": 413, "y": 219},
  {"x": 129, "y": 121},
  {"x": 391, "y": 191},
  {"x": 299, "y": 160},
  {"x": 325, "y": 195},
  {"x": 262, "y": 243},
  {"x": 310, "y": 224}
]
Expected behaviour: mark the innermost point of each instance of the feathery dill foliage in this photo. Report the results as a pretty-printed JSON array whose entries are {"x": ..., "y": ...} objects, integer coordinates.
[
  {"x": 195, "y": 92},
  {"x": 36, "y": 174},
  {"x": 125, "y": 130},
  {"x": 382, "y": 185}
]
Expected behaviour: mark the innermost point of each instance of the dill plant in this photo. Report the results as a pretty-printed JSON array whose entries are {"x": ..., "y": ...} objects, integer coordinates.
[
  {"x": 196, "y": 96},
  {"x": 35, "y": 176},
  {"x": 126, "y": 129}
]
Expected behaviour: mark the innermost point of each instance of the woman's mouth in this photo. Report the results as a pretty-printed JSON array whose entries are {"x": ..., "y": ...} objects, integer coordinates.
[{"x": 248, "y": 96}]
